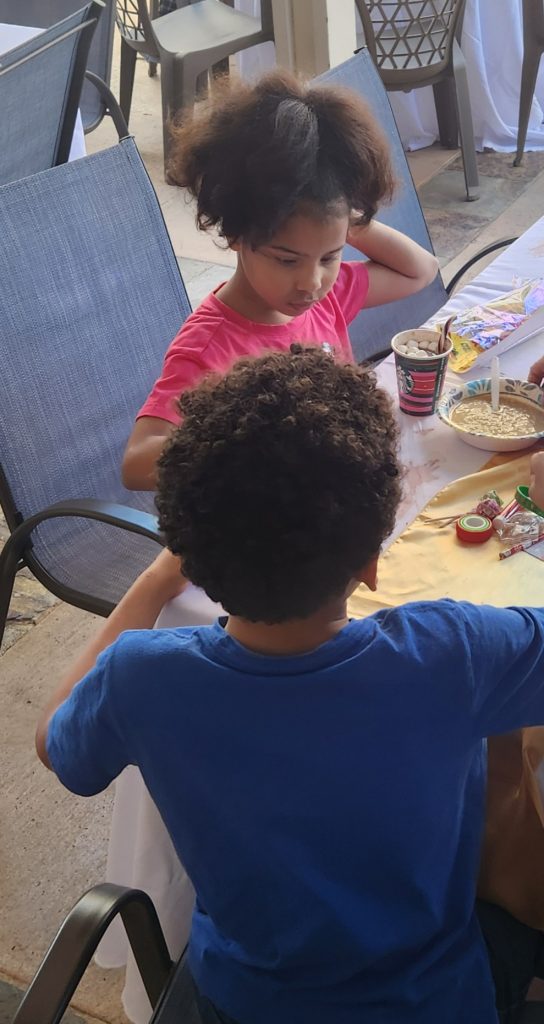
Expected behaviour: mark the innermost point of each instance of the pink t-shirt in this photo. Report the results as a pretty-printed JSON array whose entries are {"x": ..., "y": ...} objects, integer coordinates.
[{"x": 214, "y": 337}]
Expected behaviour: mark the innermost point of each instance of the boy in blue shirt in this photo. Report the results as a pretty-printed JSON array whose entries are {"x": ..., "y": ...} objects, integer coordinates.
[{"x": 323, "y": 780}]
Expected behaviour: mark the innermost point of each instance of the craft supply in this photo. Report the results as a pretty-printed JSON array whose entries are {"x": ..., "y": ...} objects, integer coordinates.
[
  {"x": 476, "y": 330},
  {"x": 473, "y": 529},
  {"x": 522, "y": 525},
  {"x": 488, "y": 507},
  {"x": 523, "y": 545},
  {"x": 522, "y": 495},
  {"x": 506, "y": 514},
  {"x": 443, "y": 341},
  {"x": 495, "y": 383}
]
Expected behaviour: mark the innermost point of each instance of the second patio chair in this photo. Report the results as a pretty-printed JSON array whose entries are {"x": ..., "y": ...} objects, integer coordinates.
[
  {"x": 40, "y": 88},
  {"x": 414, "y": 43},
  {"x": 44, "y": 14},
  {"x": 187, "y": 42},
  {"x": 533, "y": 48},
  {"x": 91, "y": 298}
]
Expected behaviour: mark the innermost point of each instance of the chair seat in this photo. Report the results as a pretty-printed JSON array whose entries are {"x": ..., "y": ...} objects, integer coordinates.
[
  {"x": 90, "y": 557},
  {"x": 205, "y": 26}
]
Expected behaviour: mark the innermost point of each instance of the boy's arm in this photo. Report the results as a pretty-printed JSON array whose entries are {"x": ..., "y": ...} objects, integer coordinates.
[
  {"x": 144, "y": 446},
  {"x": 138, "y": 609},
  {"x": 397, "y": 266}
]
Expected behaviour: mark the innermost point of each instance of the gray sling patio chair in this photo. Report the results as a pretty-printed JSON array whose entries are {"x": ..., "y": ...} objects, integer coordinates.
[
  {"x": 40, "y": 87},
  {"x": 44, "y": 14},
  {"x": 168, "y": 988},
  {"x": 372, "y": 330},
  {"x": 91, "y": 298},
  {"x": 533, "y": 48},
  {"x": 187, "y": 42},
  {"x": 415, "y": 43}
]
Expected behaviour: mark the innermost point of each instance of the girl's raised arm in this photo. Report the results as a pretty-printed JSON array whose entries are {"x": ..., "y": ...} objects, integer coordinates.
[{"x": 397, "y": 266}]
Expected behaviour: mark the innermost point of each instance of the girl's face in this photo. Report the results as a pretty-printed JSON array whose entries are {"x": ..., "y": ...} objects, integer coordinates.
[{"x": 296, "y": 268}]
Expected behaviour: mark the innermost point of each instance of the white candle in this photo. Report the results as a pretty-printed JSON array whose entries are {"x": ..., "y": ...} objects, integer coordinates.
[{"x": 495, "y": 383}]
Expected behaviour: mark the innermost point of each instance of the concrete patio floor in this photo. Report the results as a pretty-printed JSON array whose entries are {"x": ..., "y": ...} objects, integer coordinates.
[{"x": 53, "y": 845}]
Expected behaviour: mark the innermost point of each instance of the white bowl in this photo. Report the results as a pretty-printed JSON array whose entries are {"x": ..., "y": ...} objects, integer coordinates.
[{"x": 519, "y": 388}]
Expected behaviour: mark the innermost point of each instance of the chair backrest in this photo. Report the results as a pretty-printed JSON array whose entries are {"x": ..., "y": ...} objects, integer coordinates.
[
  {"x": 43, "y": 14},
  {"x": 409, "y": 39},
  {"x": 91, "y": 298},
  {"x": 134, "y": 23},
  {"x": 373, "y": 329},
  {"x": 40, "y": 87}
]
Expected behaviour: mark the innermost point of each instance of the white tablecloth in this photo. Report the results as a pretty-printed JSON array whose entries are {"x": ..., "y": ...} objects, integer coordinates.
[
  {"x": 12, "y": 36},
  {"x": 141, "y": 853},
  {"x": 492, "y": 43}
]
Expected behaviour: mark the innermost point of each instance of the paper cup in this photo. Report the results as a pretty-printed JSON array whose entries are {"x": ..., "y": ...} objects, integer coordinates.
[{"x": 420, "y": 379}]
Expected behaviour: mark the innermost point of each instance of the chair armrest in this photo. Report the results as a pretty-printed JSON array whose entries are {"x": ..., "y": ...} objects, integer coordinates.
[
  {"x": 111, "y": 104},
  {"x": 123, "y": 516},
  {"x": 502, "y": 244},
  {"x": 75, "y": 943}
]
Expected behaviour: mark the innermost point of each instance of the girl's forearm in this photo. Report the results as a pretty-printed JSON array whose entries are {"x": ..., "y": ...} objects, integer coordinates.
[{"x": 391, "y": 249}]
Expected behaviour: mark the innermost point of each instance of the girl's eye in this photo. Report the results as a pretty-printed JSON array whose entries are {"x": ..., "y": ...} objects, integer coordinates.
[
  {"x": 285, "y": 263},
  {"x": 331, "y": 259}
]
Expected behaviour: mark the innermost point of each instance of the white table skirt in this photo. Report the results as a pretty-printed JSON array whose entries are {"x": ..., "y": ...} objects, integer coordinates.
[
  {"x": 141, "y": 853},
  {"x": 492, "y": 43},
  {"x": 12, "y": 36}
]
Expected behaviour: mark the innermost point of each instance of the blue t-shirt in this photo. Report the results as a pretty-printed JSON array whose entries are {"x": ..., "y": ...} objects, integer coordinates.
[{"x": 328, "y": 807}]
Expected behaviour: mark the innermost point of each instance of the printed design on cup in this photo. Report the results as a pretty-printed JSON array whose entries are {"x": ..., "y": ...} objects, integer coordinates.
[{"x": 405, "y": 380}]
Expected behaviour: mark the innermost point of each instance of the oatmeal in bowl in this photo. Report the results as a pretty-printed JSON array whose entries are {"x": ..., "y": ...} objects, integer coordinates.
[{"x": 518, "y": 423}]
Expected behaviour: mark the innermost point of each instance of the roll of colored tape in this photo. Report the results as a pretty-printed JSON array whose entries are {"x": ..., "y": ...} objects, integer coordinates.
[{"x": 473, "y": 528}]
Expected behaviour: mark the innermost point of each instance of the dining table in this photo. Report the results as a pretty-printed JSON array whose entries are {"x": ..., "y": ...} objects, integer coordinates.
[
  {"x": 493, "y": 49},
  {"x": 140, "y": 851},
  {"x": 12, "y": 36}
]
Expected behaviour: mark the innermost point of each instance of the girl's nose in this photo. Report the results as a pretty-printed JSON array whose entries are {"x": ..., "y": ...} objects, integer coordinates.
[{"x": 309, "y": 280}]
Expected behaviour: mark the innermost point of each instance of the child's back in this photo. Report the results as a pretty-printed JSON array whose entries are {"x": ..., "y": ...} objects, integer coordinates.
[{"x": 322, "y": 780}]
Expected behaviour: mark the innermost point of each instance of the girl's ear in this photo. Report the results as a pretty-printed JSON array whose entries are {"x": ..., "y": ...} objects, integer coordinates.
[{"x": 235, "y": 244}]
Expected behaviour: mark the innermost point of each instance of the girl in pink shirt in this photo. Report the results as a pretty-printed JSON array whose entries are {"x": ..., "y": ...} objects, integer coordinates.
[{"x": 287, "y": 173}]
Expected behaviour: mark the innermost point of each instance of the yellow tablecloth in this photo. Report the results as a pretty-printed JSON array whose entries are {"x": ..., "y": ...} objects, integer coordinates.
[{"x": 427, "y": 562}]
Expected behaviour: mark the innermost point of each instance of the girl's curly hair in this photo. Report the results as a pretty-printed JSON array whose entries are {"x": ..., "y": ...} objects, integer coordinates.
[
  {"x": 257, "y": 152},
  {"x": 281, "y": 483}
]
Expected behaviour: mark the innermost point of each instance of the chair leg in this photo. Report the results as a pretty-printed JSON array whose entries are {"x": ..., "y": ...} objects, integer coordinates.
[
  {"x": 10, "y": 557},
  {"x": 178, "y": 89},
  {"x": 126, "y": 85},
  {"x": 446, "y": 113},
  {"x": 466, "y": 129},
  {"x": 531, "y": 60}
]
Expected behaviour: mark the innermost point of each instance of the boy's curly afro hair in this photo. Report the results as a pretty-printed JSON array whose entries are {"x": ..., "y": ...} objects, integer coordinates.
[
  {"x": 260, "y": 151},
  {"x": 281, "y": 483}
]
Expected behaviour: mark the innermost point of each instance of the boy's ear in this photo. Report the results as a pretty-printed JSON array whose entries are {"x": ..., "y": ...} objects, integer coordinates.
[{"x": 369, "y": 574}]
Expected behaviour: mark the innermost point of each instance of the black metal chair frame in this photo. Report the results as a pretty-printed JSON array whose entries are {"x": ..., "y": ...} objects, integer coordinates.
[{"x": 75, "y": 943}]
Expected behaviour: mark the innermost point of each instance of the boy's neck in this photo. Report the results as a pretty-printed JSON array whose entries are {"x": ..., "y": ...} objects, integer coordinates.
[{"x": 297, "y": 636}]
